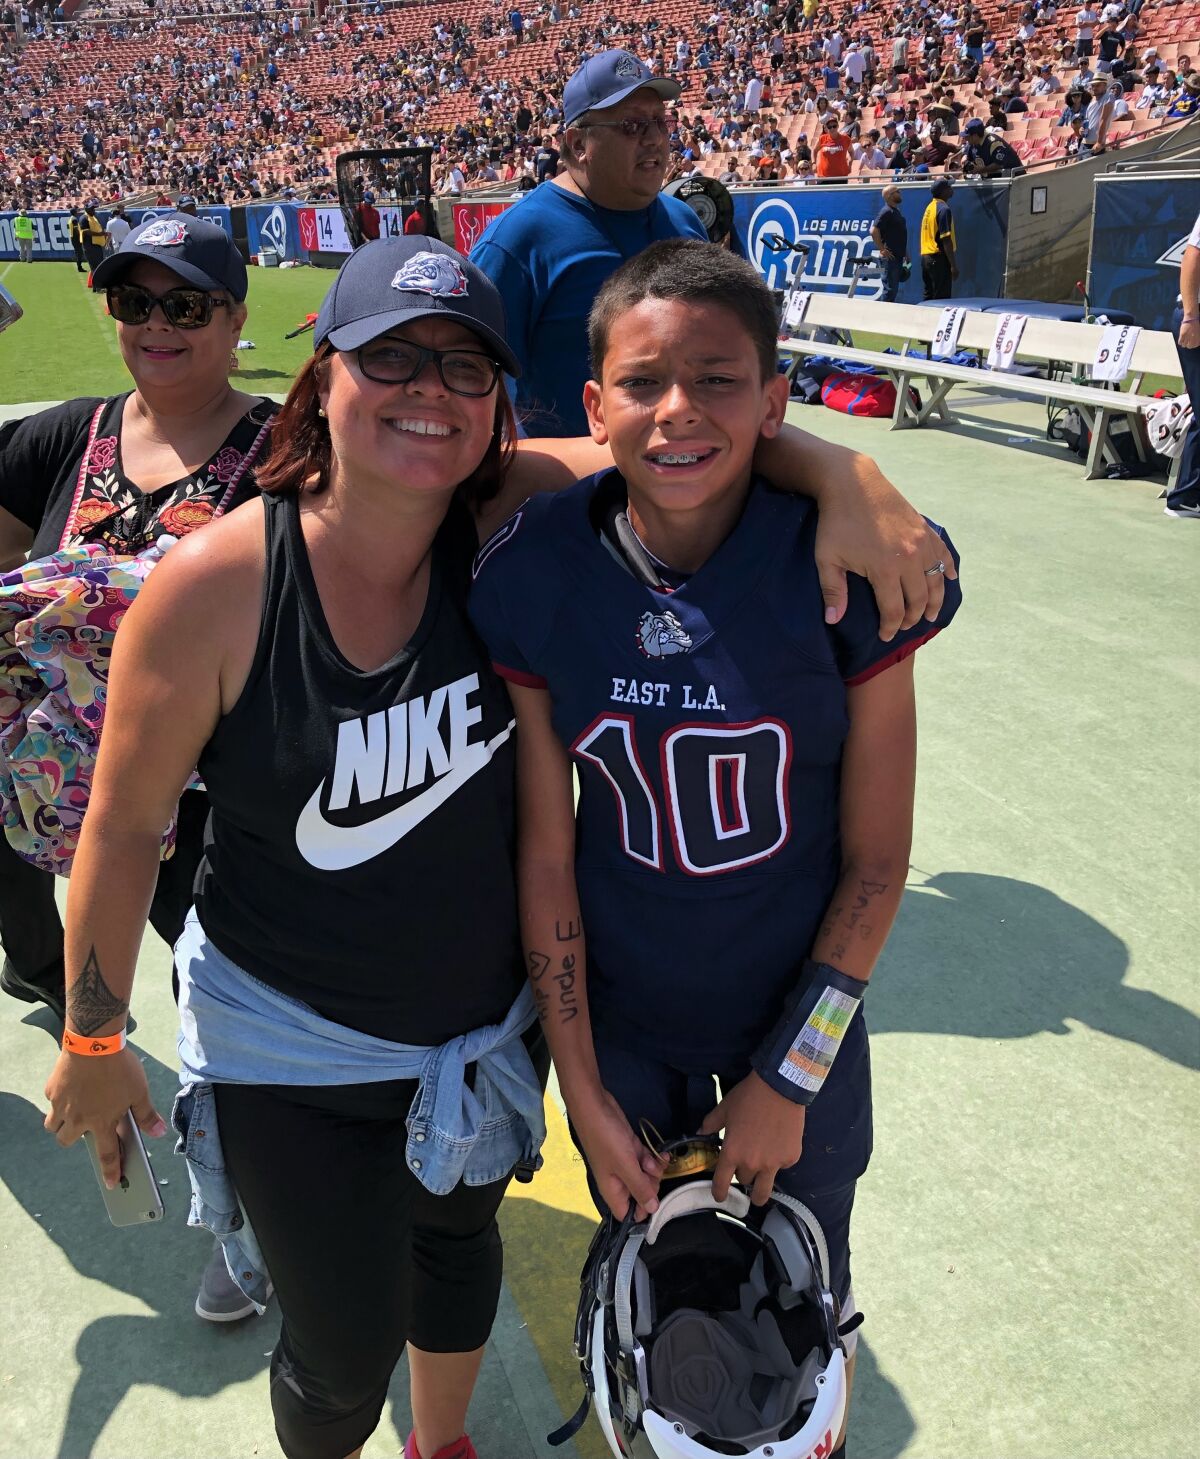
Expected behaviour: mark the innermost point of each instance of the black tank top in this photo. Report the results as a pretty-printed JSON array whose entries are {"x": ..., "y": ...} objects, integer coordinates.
[{"x": 360, "y": 852}]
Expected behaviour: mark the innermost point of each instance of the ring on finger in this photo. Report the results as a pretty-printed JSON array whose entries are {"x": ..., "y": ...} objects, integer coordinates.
[{"x": 938, "y": 567}]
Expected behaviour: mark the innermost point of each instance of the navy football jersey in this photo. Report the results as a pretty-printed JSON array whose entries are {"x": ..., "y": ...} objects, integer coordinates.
[{"x": 707, "y": 727}]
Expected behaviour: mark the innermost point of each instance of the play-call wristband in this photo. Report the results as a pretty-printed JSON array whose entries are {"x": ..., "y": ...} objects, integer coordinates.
[{"x": 797, "y": 1056}]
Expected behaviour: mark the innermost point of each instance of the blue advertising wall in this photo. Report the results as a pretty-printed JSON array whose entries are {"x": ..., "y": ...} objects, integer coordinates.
[
  {"x": 836, "y": 224},
  {"x": 52, "y": 239},
  {"x": 1139, "y": 228}
]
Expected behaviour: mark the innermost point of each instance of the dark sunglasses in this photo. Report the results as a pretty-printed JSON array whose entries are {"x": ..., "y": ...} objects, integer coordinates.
[
  {"x": 632, "y": 127},
  {"x": 184, "y": 308},
  {"x": 396, "y": 362}
]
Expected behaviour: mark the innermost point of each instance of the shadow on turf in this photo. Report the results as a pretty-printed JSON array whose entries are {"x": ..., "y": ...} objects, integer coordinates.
[
  {"x": 993, "y": 957},
  {"x": 170, "y": 1347},
  {"x": 263, "y": 374}
]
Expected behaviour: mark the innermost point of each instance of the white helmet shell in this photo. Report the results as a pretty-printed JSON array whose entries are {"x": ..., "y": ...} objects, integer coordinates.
[{"x": 716, "y": 1355}]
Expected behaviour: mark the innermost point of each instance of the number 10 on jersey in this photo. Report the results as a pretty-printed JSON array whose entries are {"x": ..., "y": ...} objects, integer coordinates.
[{"x": 725, "y": 787}]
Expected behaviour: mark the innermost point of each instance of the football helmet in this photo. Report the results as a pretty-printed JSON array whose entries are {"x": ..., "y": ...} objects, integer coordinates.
[{"x": 709, "y": 1329}]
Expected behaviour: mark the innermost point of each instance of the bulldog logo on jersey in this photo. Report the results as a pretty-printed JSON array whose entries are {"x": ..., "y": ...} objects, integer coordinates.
[
  {"x": 431, "y": 273},
  {"x": 163, "y": 233},
  {"x": 661, "y": 635}
]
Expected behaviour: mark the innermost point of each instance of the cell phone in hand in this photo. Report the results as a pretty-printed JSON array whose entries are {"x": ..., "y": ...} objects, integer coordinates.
[
  {"x": 135, "y": 1198},
  {"x": 10, "y": 310}
]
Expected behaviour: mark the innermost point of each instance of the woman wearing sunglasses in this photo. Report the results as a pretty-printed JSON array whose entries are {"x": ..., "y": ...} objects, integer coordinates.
[
  {"x": 178, "y": 449},
  {"x": 362, "y": 1060}
]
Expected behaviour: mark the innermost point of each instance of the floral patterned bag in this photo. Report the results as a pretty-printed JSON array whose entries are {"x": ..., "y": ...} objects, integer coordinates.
[{"x": 58, "y": 619}]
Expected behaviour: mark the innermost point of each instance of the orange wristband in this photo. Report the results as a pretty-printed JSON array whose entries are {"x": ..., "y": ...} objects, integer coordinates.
[{"x": 77, "y": 1043}]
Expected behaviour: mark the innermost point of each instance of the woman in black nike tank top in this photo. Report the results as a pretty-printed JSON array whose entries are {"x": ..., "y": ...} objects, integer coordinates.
[
  {"x": 355, "y": 933},
  {"x": 359, "y": 756}
]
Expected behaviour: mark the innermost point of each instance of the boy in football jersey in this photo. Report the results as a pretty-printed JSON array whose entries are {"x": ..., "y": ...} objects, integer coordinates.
[{"x": 746, "y": 771}]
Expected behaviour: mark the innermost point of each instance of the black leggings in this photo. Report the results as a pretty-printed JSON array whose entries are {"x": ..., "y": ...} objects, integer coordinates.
[{"x": 362, "y": 1257}]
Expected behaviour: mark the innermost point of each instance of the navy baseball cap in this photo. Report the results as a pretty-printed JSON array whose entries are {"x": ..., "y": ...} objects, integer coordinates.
[
  {"x": 974, "y": 125},
  {"x": 198, "y": 251},
  {"x": 393, "y": 281},
  {"x": 607, "y": 79}
]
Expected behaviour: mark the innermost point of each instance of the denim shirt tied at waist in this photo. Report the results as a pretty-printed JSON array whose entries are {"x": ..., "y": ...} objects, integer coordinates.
[{"x": 235, "y": 1029}]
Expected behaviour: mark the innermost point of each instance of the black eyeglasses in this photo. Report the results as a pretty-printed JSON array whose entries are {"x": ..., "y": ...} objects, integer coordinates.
[
  {"x": 184, "y": 308},
  {"x": 397, "y": 361},
  {"x": 632, "y": 127}
]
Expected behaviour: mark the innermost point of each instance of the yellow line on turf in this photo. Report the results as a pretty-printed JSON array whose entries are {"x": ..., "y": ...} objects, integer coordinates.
[{"x": 547, "y": 1227}]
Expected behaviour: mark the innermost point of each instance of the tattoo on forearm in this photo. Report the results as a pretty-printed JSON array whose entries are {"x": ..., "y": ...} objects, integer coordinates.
[
  {"x": 567, "y": 1002},
  {"x": 538, "y": 963},
  {"x": 568, "y": 1005},
  {"x": 91, "y": 1003},
  {"x": 568, "y": 933},
  {"x": 843, "y": 922}
]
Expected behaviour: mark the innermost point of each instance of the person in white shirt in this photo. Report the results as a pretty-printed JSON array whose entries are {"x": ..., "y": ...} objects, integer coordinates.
[
  {"x": 854, "y": 67},
  {"x": 1184, "y": 499},
  {"x": 833, "y": 46},
  {"x": 1097, "y": 114},
  {"x": 753, "y": 97},
  {"x": 117, "y": 228},
  {"x": 1047, "y": 83},
  {"x": 1086, "y": 20},
  {"x": 868, "y": 155},
  {"x": 1154, "y": 93}
]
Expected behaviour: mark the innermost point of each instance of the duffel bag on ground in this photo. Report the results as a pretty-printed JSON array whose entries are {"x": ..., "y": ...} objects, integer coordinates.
[{"x": 870, "y": 395}]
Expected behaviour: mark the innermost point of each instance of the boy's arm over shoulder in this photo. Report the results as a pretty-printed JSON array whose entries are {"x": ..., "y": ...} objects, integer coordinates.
[
  {"x": 516, "y": 586},
  {"x": 860, "y": 652}
]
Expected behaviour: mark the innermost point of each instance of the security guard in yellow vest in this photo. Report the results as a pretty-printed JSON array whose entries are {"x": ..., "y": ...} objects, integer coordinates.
[
  {"x": 23, "y": 233},
  {"x": 94, "y": 236},
  {"x": 75, "y": 233}
]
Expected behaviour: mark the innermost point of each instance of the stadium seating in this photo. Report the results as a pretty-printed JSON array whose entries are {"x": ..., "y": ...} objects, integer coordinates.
[{"x": 241, "y": 102}]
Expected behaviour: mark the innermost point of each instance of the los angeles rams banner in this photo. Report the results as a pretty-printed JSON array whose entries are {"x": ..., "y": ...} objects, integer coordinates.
[
  {"x": 52, "y": 237},
  {"x": 1140, "y": 226},
  {"x": 275, "y": 226},
  {"x": 834, "y": 225}
]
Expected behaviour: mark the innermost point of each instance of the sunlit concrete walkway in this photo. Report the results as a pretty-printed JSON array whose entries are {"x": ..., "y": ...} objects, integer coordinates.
[{"x": 1026, "y": 1237}]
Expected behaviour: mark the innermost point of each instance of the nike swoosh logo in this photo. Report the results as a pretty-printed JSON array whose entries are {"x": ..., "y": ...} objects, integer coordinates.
[{"x": 336, "y": 848}]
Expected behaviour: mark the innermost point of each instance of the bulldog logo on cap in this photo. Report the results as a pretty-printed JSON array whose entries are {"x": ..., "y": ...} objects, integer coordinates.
[
  {"x": 163, "y": 233},
  {"x": 431, "y": 273},
  {"x": 627, "y": 68}
]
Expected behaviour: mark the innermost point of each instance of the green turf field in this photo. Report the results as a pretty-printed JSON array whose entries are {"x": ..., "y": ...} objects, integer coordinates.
[
  {"x": 66, "y": 345},
  {"x": 76, "y": 350}
]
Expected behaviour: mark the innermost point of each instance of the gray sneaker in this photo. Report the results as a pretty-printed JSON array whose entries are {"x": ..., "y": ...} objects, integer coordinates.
[{"x": 220, "y": 1299}]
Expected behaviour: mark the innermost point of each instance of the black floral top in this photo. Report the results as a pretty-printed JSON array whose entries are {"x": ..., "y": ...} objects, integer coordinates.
[{"x": 69, "y": 493}]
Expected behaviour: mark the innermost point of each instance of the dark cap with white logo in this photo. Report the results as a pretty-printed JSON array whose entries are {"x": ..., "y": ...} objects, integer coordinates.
[
  {"x": 394, "y": 281},
  {"x": 606, "y": 79},
  {"x": 200, "y": 252}
]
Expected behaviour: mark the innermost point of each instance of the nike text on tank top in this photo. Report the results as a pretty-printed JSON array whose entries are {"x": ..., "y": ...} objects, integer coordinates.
[{"x": 360, "y": 851}]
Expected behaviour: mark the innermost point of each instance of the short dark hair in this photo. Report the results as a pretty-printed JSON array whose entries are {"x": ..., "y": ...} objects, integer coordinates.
[{"x": 699, "y": 273}]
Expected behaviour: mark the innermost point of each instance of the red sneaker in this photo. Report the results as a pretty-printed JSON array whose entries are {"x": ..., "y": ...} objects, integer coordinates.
[{"x": 459, "y": 1449}]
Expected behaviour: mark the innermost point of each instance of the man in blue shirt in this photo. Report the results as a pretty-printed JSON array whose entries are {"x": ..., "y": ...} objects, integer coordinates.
[
  {"x": 549, "y": 255},
  {"x": 889, "y": 232}
]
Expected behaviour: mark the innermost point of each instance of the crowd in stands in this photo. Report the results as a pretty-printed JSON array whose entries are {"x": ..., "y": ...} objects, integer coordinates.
[{"x": 232, "y": 100}]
